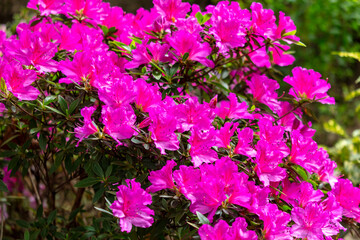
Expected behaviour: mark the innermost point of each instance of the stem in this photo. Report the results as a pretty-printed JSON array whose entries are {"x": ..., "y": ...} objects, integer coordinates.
[
  {"x": 37, "y": 196},
  {"x": 2, "y": 220}
]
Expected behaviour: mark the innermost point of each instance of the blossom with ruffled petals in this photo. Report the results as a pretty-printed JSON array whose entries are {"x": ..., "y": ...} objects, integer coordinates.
[
  {"x": 131, "y": 207},
  {"x": 308, "y": 85},
  {"x": 162, "y": 179}
]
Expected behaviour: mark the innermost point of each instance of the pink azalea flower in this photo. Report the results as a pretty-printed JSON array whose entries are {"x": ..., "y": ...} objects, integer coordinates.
[
  {"x": 131, "y": 206},
  {"x": 285, "y": 25},
  {"x": 147, "y": 95},
  {"x": 245, "y": 138},
  {"x": 279, "y": 57},
  {"x": 141, "y": 56},
  {"x": 186, "y": 178},
  {"x": 263, "y": 90},
  {"x": 18, "y": 80},
  {"x": 273, "y": 134},
  {"x": 162, "y": 179},
  {"x": 348, "y": 197},
  {"x": 47, "y": 7},
  {"x": 93, "y": 9},
  {"x": 31, "y": 49},
  {"x": 218, "y": 232},
  {"x": 119, "y": 122},
  {"x": 89, "y": 126},
  {"x": 185, "y": 42},
  {"x": 192, "y": 113},
  {"x": 223, "y": 136},
  {"x": 263, "y": 20},
  {"x": 300, "y": 194},
  {"x": 238, "y": 230},
  {"x": 331, "y": 206},
  {"x": 80, "y": 69},
  {"x": 13, "y": 183},
  {"x": 233, "y": 109},
  {"x": 267, "y": 161},
  {"x": 201, "y": 141},
  {"x": 228, "y": 25},
  {"x": 275, "y": 223},
  {"x": 163, "y": 129},
  {"x": 119, "y": 93},
  {"x": 208, "y": 196},
  {"x": 306, "y": 84},
  {"x": 309, "y": 222},
  {"x": 172, "y": 9}
]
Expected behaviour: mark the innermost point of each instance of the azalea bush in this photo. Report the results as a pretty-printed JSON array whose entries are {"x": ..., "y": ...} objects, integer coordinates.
[{"x": 164, "y": 124}]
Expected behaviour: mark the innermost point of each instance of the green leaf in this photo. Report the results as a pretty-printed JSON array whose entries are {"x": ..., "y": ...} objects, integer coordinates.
[
  {"x": 185, "y": 56},
  {"x": 199, "y": 17},
  {"x": 301, "y": 44},
  {"x": 27, "y": 235},
  {"x": 49, "y": 99},
  {"x": 51, "y": 217},
  {"x": 99, "y": 193},
  {"x": 108, "y": 171},
  {"x": 3, "y": 187},
  {"x": 74, "y": 105},
  {"x": 354, "y": 55},
  {"x": 42, "y": 142},
  {"x": 206, "y": 17},
  {"x": 87, "y": 182},
  {"x": 202, "y": 218},
  {"x": 104, "y": 211},
  {"x": 301, "y": 172},
  {"x": 98, "y": 170},
  {"x": 289, "y": 33},
  {"x": 39, "y": 211},
  {"x": 54, "y": 110},
  {"x": 63, "y": 104},
  {"x": 22, "y": 223}
]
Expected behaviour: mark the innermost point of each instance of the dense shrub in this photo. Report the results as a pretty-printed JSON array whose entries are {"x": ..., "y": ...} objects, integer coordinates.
[{"x": 164, "y": 124}]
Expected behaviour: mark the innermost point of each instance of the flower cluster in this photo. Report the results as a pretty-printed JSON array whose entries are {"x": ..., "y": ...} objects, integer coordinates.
[{"x": 191, "y": 87}]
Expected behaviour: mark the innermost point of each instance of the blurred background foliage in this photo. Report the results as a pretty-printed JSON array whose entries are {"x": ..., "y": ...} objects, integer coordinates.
[{"x": 331, "y": 31}]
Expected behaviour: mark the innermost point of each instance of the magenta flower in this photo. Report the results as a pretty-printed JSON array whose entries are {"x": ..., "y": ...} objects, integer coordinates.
[
  {"x": 31, "y": 49},
  {"x": 163, "y": 129},
  {"x": 186, "y": 178},
  {"x": 223, "y": 136},
  {"x": 275, "y": 222},
  {"x": 185, "y": 42},
  {"x": 93, "y": 9},
  {"x": 349, "y": 198},
  {"x": 285, "y": 25},
  {"x": 309, "y": 222},
  {"x": 192, "y": 113},
  {"x": 233, "y": 109},
  {"x": 238, "y": 230},
  {"x": 18, "y": 80},
  {"x": 201, "y": 141},
  {"x": 89, "y": 126},
  {"x": 131, "y": 206},
  {"x": 172, "y": 9},
  {"x": 119, "y": 122},
  {"x": 300, "y": 194},
  {"x": 228, "y": 25},
  {"x": 218, "y": 232},
  {"x": 263, "y": 20},
  {"x": 46, "y": 7},
  {"x": 147, "y": 95},
  {"x": 158, "y": 53},
  {"x": 306, "y": 84},
  {"x": 208, "y": 196},
  {"x": 267, "y": 163},
  {"x": 245, "y": 138},
  {"x": 118, "y": 94},
  {"x": 263, "y": 90},
  {"x": 80, "y": 69},
  {"x": 162, "y": 179}
]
